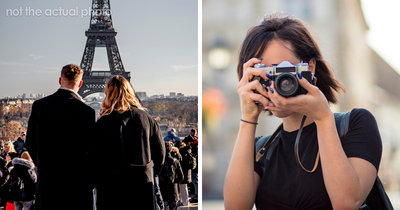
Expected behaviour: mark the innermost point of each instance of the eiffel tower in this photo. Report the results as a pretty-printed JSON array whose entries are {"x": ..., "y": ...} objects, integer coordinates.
[{"x": 101, "y": 33}]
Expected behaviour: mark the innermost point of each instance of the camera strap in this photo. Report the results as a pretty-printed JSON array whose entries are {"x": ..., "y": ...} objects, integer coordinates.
[
  {"x": 261, "y": 152},
  {"x": 296, "y": 148},
  {"x": 267, "y": 144}
]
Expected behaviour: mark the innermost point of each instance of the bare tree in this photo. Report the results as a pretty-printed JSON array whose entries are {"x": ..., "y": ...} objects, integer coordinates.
[{"x": 11, "y": 131}]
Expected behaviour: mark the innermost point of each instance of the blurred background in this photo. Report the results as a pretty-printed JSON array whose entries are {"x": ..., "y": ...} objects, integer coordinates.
[{"x": 359, "y": 39}]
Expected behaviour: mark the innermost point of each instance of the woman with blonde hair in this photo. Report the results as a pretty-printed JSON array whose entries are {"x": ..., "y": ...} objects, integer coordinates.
[
  {"x": 8, "y": 147},
  {"x": 139, "y": 151}
]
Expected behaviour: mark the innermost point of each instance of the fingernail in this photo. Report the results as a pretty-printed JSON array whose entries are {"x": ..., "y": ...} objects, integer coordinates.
[
  {"x": 298, "y": 74},
  {"x": 265, "y": 109},
  {"x": 272, "y": 91},
  {"x": 260, "y": 59},
  {"x": 269, "y": 76}
]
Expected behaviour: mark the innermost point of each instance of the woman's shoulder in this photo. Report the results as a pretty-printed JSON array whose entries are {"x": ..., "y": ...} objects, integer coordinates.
[
  {"x": 104, "y": 119},
  {"x": 363, "y": 139},
  {"x": 361, "y": 111},
  {"x": 360, "y": 115},
  {"x": 138, "y": 111},
  {"x": 141, "y": 113}
]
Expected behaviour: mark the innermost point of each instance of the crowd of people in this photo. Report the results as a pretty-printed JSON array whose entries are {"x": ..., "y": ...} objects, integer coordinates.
[
  {"x": 68, "y": 160},
  {"x": 182, "y": 161},
  {"x": 17, "y": 176}
]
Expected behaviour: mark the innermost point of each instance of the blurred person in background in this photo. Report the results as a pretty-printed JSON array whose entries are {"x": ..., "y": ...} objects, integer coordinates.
[
  {"x": 19, "y": 144},
  {"x": 195, "y": 176},
  {"x": 4, "y": 183},
  {"x": 191, "y": 138},
  {"x": 8, "y": 147},
  {"x": 170, "y": 176},
  {"x": 23, "y": 195},
  {"x": 346, "y": 172},
  {"x": 10, "y": 156},
  {"x": 139, "y": 151},
  {"x": 175, "y": 154},
  {"x": 10, "y": 166},
  {"x": 171, "y": 136},
  {"x": 188, "y": 163},
  {"x": 192, "y": 142}
]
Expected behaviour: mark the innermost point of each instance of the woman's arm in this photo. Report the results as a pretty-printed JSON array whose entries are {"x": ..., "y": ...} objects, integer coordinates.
[
  {"x": 157, "y": 146},
  {"x": 348, "y": 181},
  {"x": 241, "y": 181}
]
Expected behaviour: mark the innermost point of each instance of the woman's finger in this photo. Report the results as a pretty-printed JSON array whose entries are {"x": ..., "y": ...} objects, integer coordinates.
[
  {"x": 303, "y": 82},
  {"x": 254, "y": 85},
  {"x": 256, "y": 72},
  {"x": 272, "y": 95},
  {"x": 255, "y": 97},
  {"x": 249, "y": 72},
  {"x": 250, "y": 63}
]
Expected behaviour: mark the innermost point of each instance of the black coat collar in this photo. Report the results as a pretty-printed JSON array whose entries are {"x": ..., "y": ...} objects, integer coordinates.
[{"x": 67, "y": 93}]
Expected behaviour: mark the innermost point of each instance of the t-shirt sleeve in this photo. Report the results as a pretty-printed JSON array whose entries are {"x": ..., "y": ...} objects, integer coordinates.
[
  {"x": 258, "y": 168},
  {"x": 257, "y": 165},
  {"x": 363, "y": 139}
]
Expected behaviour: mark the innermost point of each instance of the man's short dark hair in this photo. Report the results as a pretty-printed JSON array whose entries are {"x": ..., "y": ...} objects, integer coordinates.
[
  {"x": 71, "y": 72},
  {"x": 193, "y": 130}
]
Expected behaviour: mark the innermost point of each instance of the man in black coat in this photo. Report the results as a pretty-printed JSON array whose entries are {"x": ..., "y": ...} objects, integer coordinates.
[
  {"x": 58, "y": 140},
  {"x": 191, "y": 138}
]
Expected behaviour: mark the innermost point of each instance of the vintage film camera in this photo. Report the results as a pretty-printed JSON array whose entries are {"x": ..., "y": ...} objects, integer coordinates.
[{"x": 284, "y": 75}]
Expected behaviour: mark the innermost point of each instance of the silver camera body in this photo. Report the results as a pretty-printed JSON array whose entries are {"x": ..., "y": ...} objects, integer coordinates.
[{"x": 284, "y": 76}]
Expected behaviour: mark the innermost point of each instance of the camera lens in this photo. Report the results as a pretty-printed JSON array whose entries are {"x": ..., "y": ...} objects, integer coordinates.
[{"x": 286, "y": 84}]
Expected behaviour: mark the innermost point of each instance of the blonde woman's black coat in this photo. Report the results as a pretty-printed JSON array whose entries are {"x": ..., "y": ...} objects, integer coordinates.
[{"x": 126, "y": 168}]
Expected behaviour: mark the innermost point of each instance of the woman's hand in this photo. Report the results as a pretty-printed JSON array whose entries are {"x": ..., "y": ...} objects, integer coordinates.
[
  {"x": 251, "y": 110},
  {"x": 313, "y": 104}
]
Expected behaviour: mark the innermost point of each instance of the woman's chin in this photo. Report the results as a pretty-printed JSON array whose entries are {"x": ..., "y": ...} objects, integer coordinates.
[{"x": 281, "y": 114}]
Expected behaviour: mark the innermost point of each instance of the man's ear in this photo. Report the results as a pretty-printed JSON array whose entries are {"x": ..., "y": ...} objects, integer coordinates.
[
  {"x": 59, "y": 80},
  {"x": 80, "y": 84},
  {"x": 311, "y": 65}
]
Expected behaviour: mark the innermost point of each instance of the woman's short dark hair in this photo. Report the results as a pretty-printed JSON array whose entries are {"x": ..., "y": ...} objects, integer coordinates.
[{"x": 304, "y": 47}]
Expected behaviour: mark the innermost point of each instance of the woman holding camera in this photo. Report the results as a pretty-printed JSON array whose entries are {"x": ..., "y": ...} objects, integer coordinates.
[{"x": 331, "y": 174}]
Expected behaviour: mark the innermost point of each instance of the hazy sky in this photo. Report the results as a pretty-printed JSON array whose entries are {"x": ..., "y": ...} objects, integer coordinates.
[
  {"x": 384, "y": 29},
  {"x": 157, "y": 40}
]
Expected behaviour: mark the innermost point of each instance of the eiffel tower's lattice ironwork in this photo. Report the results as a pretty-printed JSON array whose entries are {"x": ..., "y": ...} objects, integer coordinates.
[{"x": 100, "y": 34}]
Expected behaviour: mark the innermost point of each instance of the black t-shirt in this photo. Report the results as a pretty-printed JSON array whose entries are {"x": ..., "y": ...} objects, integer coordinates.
[{"x": 286, "y": 186}]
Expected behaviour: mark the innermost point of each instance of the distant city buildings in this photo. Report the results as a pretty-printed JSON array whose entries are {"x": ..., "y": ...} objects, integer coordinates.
[
  {"x": 172, "y": 95},
  {"x": 21, "y": 99},
  {"x": 141, "y": 95},
  {"x": 34, "y": 96},
  {"x": 96, "y": 101}
]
